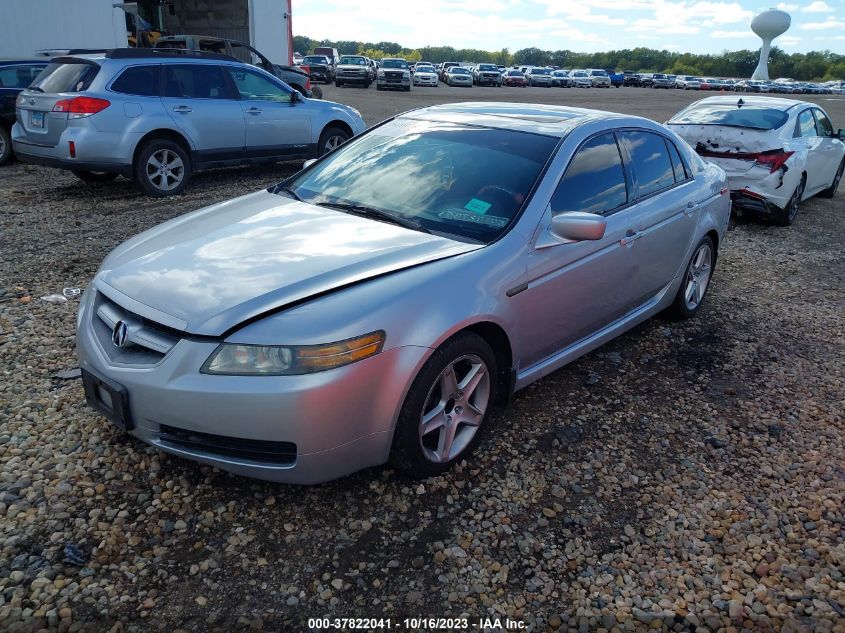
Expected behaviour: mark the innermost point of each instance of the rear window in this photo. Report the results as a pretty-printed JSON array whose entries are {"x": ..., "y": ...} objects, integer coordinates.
[
  {"x": 66, "y": 76},
  {"x": 138, "y": 80},
  {"x": 18, "y": 76},
  {"x": 748, "y": 116}
]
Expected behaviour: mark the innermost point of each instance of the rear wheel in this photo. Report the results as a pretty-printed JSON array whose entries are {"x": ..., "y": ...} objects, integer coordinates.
[
  {"x": 827, "y": 193},
  {"x": 787, "y": 215},
  {"x": 94, "y": 176},
  {"x": 332, "y": 138},
  {"x": 5, "y": 146},
  {"x": 695, "y": 282},
  {"x": 446, "y": 407},
  {"x": 162, "y": 168}
]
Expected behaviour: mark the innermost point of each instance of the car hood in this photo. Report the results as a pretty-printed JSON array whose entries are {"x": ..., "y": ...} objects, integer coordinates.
[{"x": 211, "y": 270}]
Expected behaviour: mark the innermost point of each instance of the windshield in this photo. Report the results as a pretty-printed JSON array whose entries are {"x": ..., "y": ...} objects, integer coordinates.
[
  {"x": 579, "y": 73},
  {"x": 464, "y": 182},
  {"x": 749, "y": 116},
  {"x": 458, "y": 70},
  {"x": 353, "y": 61},
  {"x": 560, "y": 73},
  {"x": 514, "y": 73},
  {"x": 599, "y": 73},
  {"x": 487, "y": 67},
  {"x": 541, "y": 71},
  {"x": 424, "y": 69},
  {"x": 315, "y": 59},
  {"x": 66, "y": 76},
  {"x": 394, "y": 63}
]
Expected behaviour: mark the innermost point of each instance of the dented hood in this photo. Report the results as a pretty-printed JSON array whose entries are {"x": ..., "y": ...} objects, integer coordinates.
[{"x": 211, "y": 270}]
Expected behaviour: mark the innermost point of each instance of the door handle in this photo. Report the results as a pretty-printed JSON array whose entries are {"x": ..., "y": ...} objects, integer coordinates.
[
  {"x": 254, "y": 111},
  {"x": 690, "y": 208},
  {"x": 183, "y": 109},
  {"x": 630, "y": 236}
]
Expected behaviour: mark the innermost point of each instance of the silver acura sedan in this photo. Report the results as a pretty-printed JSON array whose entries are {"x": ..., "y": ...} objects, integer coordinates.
[{"x": 373, "y": 307}]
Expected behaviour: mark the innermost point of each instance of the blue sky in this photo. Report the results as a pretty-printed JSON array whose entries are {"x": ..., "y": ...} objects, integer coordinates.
[{"x": 581, "y": 25}]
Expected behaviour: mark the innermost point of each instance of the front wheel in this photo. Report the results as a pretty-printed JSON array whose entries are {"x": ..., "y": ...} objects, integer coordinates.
[
  {"x": 827, "y": 193},
  {"x": 162, "y": 168},
  {"x": 94, "y": 176},
  {"x": 331, "y": 138},
  {"x": 695, "y": 282},
  {"x": 446, "y": 407}
]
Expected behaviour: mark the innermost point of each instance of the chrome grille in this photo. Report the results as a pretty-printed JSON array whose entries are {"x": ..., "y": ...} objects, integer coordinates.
[{"x": 146, "y": 343}]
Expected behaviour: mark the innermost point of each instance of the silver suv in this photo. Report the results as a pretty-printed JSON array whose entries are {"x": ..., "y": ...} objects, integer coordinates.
[{"x": 156, "y": 116}]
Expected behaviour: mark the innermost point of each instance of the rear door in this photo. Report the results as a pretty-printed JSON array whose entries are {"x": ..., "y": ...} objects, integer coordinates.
[
  {"x": 666, "y": 216},
  {"x": 199, "y": 100},
  {"x": 276, "y": 125},
  {"x": 806, "y": 135},
  {"x": 64, "y": 78}
]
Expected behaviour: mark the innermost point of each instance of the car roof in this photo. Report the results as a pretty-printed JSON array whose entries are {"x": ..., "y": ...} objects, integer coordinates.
[
  {"x": 550, "y": 120},
  {"x": 9, "y": 61},
  {"x": 778, "y": 103}
]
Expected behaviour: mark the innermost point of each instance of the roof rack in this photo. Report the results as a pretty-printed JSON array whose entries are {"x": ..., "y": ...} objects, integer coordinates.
[
  {"x": 86, "y": 51},
  {"x": 135, "y": 53}
]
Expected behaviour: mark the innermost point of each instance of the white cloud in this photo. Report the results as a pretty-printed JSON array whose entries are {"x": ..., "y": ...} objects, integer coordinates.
[
  {"x": 783, "y": 6},
  {"x": 788, "y": 40},
  {"x": 817, "y": 7},
  {"x": 824, "y": 26},
  {"x": 670, "y": 47},
  {"x": 726, "y": 35}
]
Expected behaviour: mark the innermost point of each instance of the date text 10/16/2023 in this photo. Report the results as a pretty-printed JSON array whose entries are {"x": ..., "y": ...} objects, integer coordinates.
[{"x": 487, "y": 625}]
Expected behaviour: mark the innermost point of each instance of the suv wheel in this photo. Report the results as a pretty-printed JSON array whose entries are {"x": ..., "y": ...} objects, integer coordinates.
[
  {"x": 94, "y": 176},
  {"x": 5, "y": 146},
  {"x": 162, "y": 168},
  {"x": 330, "y": 139}
]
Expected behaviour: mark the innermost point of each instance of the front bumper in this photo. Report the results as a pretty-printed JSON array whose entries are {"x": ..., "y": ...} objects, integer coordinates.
[
  {"x": 353, "y": 78},
  {"x": 393, "y": 83},
  {"x": 333, "y": 422},
  {"x": 488, "y": 81},
  {"x": 425, "y": 81}
]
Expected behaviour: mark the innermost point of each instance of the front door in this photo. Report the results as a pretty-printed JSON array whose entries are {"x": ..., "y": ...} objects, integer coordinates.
[
  {"x": 277, "y": 122},
  {"x": 577, "y": 288}
]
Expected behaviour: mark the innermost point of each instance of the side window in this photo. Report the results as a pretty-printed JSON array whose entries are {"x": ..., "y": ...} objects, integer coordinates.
[
  {"x": 650, "y": 160},
  {"x": 195, "y": 81},
  {"x": 823, "y": 124},
  {"x": 255, "y": 87},
  {"x": 678, "y": 166},
  {"x": 247, "y": 54},
  {"x": 138, "y": 80},
  {"x": 594, "y": 181},
  {"x": 806, "y": 125},
  {"x": 19, "y": 76}
]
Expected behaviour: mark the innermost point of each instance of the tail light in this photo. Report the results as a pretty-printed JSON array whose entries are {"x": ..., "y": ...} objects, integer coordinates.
[
  {"x": 773, "y": 159},
  {"x": 79, "y": 107}
]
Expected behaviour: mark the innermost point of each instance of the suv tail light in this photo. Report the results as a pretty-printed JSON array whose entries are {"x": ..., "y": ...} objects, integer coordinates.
[
  {"x": 773, "y": 159},
  {"x": 79, "y": 107}
]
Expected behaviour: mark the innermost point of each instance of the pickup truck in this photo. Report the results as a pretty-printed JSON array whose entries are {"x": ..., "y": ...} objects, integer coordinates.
[
  {"x": 294, "y": 77},
  {"x": 617, "y": 80}
]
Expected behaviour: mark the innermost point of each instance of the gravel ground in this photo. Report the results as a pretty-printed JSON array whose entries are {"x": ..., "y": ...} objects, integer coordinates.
[{"x": 683, "y": 477}]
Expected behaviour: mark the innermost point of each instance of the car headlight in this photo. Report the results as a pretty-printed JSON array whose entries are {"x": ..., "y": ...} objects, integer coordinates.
[
  {"x": 293, "y": 360},
  {"x": 381, "y": 74},
  {"x": 406, "y": 74}
]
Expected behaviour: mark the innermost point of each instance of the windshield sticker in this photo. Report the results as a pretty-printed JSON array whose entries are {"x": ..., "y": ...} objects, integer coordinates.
[
  {"x": 474, "y": 217},
  {"x": 477, "y": 206}
]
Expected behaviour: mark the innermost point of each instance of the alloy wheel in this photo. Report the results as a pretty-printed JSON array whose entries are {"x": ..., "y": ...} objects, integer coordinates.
[
  {"x": 698, "y": 276},
  {"x": 795, "y": 203},
  {"x": 454, "y": 408},
  {"x": 333, "y": 142},
  {"x": 165, "y": 169}
]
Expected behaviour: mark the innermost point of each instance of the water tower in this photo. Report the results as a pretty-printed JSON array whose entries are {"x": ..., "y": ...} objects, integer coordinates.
[{"x": 768, "y": 25}]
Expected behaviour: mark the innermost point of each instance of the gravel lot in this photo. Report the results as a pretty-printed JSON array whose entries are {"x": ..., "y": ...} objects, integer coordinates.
[{"x": 686, "y": 476}]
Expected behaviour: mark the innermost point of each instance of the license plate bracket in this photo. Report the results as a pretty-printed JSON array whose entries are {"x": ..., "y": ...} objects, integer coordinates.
[
  {"x": 36, "y": 119},
  {"x": 109, "y": 398}
]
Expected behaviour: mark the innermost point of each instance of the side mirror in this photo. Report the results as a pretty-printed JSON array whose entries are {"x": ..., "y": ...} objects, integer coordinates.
[
  {"x": 578, "y": 226},
  {"x": 308, "y": 163},
  {"x": 841, "y": 134},
  {"x": 295, "y": 97}
]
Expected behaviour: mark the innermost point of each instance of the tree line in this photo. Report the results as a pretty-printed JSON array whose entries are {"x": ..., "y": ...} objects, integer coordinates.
[{"x": 812, "y": 66}]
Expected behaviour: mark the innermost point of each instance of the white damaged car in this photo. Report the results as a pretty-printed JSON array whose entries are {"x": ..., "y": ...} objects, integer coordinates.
[{"x": 776, "y": 152}]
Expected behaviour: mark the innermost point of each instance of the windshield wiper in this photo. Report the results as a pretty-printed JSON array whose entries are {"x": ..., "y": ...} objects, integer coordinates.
[
  {"x": 283, "y": 189},
  {"x": 376, "y": 214}
]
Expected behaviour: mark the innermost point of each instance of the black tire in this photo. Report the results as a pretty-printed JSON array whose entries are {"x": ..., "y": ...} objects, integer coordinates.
[
  {"x": 827, "y": 193},
  {"x": 338, "y": 84},
  {"x": 328, "y": 136},
  {"x": 378, "y": 87},
  {"x": 680, "y": 309},
  {"x": 787, "y": 215},
  {"x": 407, "y": 452},
  {"x": 316, "y": 92},
  {"x": 139, "y": 169},
  {"x": 94, "y": 176},
  {"x": 6, "y": 152}
]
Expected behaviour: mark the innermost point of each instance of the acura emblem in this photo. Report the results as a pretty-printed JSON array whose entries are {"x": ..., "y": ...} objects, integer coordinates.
[
  {"x": 118, "y": 335},
  {"x": 31, "y": 101}
]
